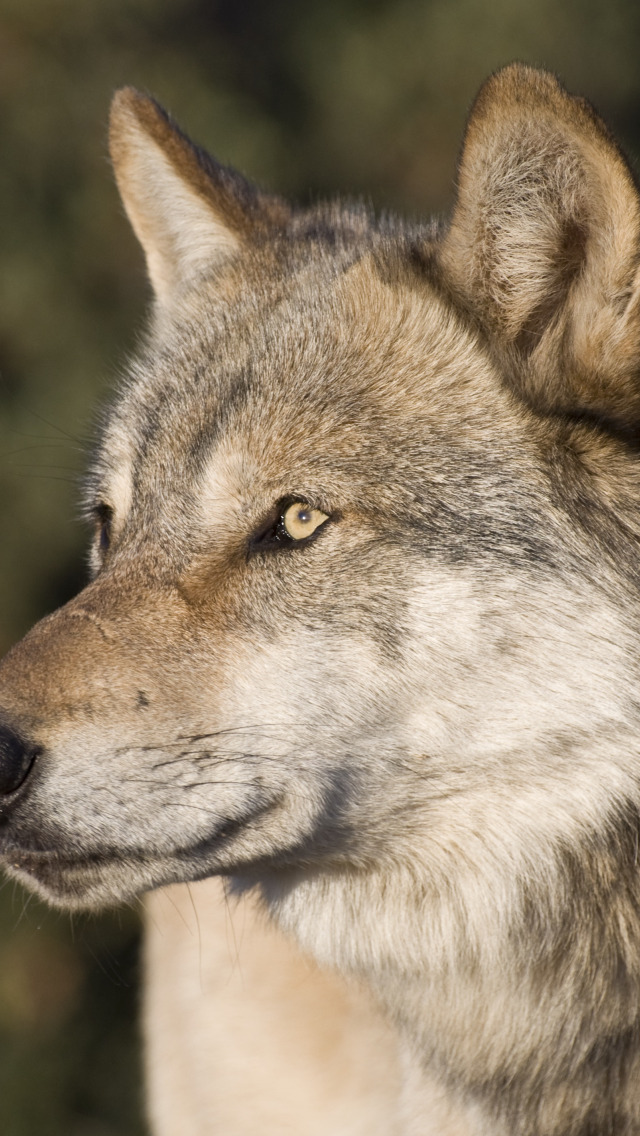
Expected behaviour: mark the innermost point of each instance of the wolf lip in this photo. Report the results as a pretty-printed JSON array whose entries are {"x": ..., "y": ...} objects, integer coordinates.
[
  {"x": 42, "y": 863},
  {"x": 60, "y": 867}
]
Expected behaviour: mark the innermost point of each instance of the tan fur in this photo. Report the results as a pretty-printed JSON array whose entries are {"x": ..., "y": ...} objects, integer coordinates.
[
  {"x": 411, "y": 742},
  {"x": 187, "y": 223},
  {"x": 544, "y": 242},
  {"x": 245, "y": 1034}
]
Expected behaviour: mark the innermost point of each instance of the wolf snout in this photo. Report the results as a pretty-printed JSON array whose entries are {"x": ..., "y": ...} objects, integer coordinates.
[{"x": 17, "y": 758}]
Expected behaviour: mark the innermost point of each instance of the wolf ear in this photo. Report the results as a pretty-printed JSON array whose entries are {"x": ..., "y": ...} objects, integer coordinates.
[
  {"x": 189, "y": 213},
  {"x": 544, "y": 247}
]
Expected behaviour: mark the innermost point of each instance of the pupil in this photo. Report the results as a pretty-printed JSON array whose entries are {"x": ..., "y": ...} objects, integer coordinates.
[{"x": 304, "y": 516}]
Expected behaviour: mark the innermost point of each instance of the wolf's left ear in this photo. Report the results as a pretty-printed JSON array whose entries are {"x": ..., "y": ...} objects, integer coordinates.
[
  {"x": 544, "y": 247},
  {"x": 189, "y": 213}
]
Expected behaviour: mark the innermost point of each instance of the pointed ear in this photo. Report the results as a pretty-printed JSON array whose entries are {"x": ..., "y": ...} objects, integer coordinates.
[
  {"x": 190, "y": 214},
  {"x": 544, "y": 247}
]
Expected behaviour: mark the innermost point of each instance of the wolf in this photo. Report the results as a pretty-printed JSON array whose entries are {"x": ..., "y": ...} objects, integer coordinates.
[{"x": 362, "y": 641}]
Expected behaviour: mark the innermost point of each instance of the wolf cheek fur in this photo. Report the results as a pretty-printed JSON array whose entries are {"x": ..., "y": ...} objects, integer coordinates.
[{"x": 414, "y": 732}]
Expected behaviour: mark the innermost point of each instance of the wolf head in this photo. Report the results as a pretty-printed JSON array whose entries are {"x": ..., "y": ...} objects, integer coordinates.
[{"x": 364, "y": 576}]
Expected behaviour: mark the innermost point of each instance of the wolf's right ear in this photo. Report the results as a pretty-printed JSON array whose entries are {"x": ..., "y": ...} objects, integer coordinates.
[
  {"x": 544, "y": 247},
  {"x": 189, "y": 213}
]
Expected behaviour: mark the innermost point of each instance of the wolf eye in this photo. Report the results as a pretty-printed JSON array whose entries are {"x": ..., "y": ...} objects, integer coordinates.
[
  {"x": 104, "y": 517},
  {"x": 295, "y": 523},
  {"x": 300, "y": 520}
]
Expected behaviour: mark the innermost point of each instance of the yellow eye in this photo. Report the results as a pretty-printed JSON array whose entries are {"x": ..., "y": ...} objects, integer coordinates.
[{"x": 301, "y": 520}]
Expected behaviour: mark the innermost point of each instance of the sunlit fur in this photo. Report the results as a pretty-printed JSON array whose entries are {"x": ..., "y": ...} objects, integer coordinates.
[{"x": 411, "y": 743}]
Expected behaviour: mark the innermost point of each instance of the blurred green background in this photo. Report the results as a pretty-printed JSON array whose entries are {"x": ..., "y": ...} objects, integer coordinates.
[{"x": 367, "y": 98}]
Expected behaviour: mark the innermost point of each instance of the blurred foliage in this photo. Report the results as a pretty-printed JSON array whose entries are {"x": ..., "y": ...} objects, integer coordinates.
[
  {"x": 69, "y": 1058},
  {"x": 366, "y": 97}
]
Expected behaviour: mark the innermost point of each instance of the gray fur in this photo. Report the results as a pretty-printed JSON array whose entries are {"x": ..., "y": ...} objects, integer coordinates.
[{"x": 416, "y": 735}]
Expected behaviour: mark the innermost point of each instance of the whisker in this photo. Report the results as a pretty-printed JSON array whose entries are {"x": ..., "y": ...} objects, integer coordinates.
[{"x": 79, "y": 439}]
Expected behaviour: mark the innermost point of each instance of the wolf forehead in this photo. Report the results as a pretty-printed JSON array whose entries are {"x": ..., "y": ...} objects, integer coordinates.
[{"x": 324, "y": 363}]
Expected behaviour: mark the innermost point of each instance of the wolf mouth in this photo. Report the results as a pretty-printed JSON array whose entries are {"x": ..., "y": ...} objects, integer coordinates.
[
  {"x": 46, "y": 867},
  {"x": 107, "y": 876},
  {"x": 62, "y": 873}
]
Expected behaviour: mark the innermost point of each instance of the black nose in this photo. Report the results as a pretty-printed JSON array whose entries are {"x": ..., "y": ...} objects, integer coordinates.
[{"x": 16, "y": 759}]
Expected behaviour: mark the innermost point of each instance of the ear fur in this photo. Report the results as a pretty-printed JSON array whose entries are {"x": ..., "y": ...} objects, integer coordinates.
[
  {"x": 189, "y": 213},
  {"x": 544, "y": 246}
]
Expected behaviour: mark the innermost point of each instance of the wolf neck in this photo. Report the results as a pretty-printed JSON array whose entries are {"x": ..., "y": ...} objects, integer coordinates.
[
  {"x": 524, "y": 999},
  {"x": 500, "y": 927}
]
